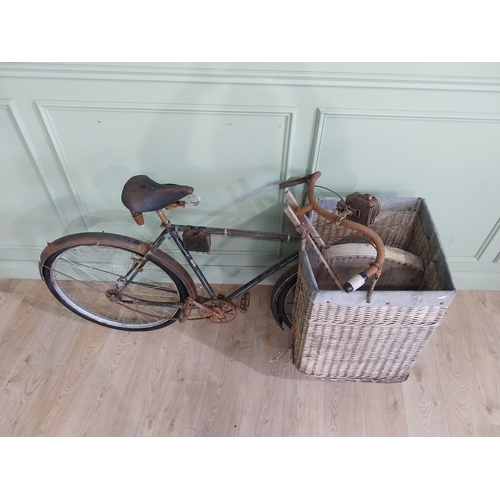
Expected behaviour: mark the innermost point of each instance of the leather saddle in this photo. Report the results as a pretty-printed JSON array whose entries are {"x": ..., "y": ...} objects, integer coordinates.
[{"x": 143, "y": 194}]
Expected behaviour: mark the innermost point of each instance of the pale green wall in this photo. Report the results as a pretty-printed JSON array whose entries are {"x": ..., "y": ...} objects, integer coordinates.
[{"x": 72, "y": 134}]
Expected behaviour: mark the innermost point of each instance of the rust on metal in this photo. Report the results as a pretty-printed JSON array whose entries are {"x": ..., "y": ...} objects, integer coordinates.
[
  {"x": 364, "y": 208},
  {"x": 138, "y": 217},
  {"x": 178, "y": 204},
  {"x": 376, "y": 268},
  {"x": 164, "y": 221},
  {"x": 126, "y": 242},
  {"x": 295, "y": 182},
  {"x": 245, "y": 301}
]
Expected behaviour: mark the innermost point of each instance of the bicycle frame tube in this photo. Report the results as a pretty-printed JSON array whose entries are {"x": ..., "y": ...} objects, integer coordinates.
[
  {"x": 137, "y": 267},
  {"x": 269, "y": 272},
  {"x": 187, "y": 255},
  {"x": 172, "y": 231},
  {"x": 243, "y": 233}
]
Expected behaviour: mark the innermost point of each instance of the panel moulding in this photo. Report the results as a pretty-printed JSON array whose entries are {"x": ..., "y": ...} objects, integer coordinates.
[
  {"x": 45, "y": 107},
  {"x": 323, "y": 114},
  {"x": 20, "y": 254},
  {"x": 21, "y": 130},
  {"x": 154, "y": 73},
  {"x": 487, "y": 242},
  {"x": 462, "y": 260}
]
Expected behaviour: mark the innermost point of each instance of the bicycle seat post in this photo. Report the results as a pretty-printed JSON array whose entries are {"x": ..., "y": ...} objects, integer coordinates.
[{"x": 164, "y": 221}]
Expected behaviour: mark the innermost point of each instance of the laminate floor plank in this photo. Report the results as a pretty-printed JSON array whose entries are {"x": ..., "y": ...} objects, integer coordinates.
[
  {"x": 303, "y": 397},
  {"x": 384, "y": 407},
  {"x": 461, "y": 390},
  {"x": 263, "y": 407},
  {"x": 224, "y": 395},
  {"x": 163, "y": 398},
  {"x": 295, "y": 405},
  {"x": 63, "y": 390},
  {"x": 107, "y": 355},
  {"x": 171, "y": 380},
  {"x": 12, "y": 294},
  {"x": 484, "y": 344},
  {"x": 316, "y": 400},
  {"x": 25, "y": 306},
  {"x": 423, "y": 396},
  {"x": 187, "y": 380},
  {"x": 24, "y": 397},
  {"x": 142, "y": 385},
  {"x": 63, "y": 376},
  {"x": 344, "y": 409}
]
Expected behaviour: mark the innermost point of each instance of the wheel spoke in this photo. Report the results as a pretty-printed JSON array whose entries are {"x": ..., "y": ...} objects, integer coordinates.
[
  {"x": 80, "y": 265},
  {"x": 82, "y": 275}
]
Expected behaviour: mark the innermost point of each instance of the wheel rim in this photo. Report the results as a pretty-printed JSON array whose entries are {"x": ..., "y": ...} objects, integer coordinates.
[{"x": 83, "y": 276}]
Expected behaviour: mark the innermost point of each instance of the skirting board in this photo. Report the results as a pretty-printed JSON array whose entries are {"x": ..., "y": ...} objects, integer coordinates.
[{"x": 238, "y": 275}]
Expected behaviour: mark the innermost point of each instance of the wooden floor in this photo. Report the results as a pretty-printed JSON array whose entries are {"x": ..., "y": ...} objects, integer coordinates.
[{"x": 62, "y": 376}]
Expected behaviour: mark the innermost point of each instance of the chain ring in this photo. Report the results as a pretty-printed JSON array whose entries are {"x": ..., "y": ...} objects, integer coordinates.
[{"x": 221, "y": 311}]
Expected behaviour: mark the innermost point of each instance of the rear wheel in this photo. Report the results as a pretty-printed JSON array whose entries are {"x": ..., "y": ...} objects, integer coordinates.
[
  {"x": 88, "y": 279},
  {"x": 282, "y": 297}
]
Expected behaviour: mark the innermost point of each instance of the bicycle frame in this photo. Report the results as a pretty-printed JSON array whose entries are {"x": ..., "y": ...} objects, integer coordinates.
[
  {"x": 122, "y": 284},
  {"x": 172, "y": 231},
  {"x": 298, "y": 213}
]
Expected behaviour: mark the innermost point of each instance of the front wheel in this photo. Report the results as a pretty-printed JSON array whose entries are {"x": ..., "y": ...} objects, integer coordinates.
[
  {"x": 282, "y": 297},
  {"x": 86, "y": 275}
]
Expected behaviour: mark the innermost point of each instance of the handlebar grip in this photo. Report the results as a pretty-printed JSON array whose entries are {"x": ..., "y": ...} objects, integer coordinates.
[
  {"x": 357, "y": 281},
  {"x": 295, "y": 182}
]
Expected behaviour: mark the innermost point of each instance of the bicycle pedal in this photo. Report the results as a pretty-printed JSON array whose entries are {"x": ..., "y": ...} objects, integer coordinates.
[{"x": 245, "y": 301}]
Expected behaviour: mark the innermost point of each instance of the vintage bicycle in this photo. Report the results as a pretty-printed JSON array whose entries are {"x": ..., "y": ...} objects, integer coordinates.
[{"x": 120, "y": 282}]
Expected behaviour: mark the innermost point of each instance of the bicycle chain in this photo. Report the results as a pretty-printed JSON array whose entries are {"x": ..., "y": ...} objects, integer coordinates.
[{"x": 186, "y": 309}]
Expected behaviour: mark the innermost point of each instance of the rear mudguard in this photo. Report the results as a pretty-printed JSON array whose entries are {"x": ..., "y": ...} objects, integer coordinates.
[{"x": 117, "y": 240}]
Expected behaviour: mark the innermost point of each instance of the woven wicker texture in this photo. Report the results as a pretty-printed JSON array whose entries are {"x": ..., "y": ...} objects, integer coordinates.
[
  {"x": 376, "y": 344},
  {"x": 372, "y": 344},
  {"x": 400, "y": 229},
  {"x": 394, "y": 227}
]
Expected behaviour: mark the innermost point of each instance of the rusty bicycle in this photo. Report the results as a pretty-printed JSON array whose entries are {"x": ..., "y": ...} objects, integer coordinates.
[{"x": 120, "y": 282}]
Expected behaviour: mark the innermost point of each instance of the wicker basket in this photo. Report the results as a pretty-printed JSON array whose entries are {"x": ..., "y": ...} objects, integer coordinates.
[{"x": 340, "y": 336}]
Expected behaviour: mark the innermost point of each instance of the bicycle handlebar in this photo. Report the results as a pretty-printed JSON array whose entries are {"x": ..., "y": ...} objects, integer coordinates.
[{"x": 375, "y": 268}]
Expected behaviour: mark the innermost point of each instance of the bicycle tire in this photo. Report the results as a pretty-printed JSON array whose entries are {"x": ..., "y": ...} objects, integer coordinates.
[
  {"x": 282, "y": 297},
  {"x": 79, "y": 270}
]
